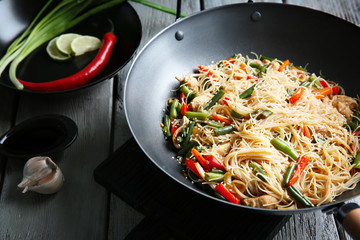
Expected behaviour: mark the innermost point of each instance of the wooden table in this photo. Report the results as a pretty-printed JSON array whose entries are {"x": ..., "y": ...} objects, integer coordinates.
[{"x": 83, "y": 209}]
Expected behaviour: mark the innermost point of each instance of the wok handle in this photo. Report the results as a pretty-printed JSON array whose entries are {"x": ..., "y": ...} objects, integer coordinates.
[{"x": 349, "y": 216}]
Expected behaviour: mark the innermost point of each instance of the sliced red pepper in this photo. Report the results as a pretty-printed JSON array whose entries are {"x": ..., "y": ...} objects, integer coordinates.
[
  {"x": 201, "y": 159},
  {"x": 214, "y": 162},
  {"x": 226, "y": 100},
  {"x": 184, "y": 108},
  {"x": 284, "y": 65},
  {"x": 231, "y": 60},
  {"x": 222, "y": 119},
  {"x": 192, "y": 166},
  {"x": 324, "y": 83},
  {"x": 174, "y": 126},
  {"x": 182, "y": 98},
  {"x": 299, "y": 92},
  {"x": 335, "y": 90},
  {"x": 357, "y": 133},
  {"x": 227, "y": 194},
  {"x": 300, "y": 166}
]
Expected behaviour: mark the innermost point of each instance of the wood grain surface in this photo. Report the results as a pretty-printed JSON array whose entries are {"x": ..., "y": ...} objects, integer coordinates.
[{"x": 83, "y": 209}]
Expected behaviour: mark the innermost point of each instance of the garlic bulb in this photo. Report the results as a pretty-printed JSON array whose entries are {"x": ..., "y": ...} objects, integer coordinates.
[{"x": 41, "y": 175}]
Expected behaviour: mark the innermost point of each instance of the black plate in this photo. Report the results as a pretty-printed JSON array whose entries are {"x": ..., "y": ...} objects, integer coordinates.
[
  {"x": 15, "y": 15},
  {"x": 39, "y": 136}
]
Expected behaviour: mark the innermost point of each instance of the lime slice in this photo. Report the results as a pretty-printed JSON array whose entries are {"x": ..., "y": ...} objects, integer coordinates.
[
  {"x": 63, "y": 42},
  {"x": 54, "y": 53},
  {"x": 83, "y": 44}
]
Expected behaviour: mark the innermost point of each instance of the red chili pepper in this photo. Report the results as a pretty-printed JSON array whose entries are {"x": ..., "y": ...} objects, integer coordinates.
[
  {"x": 227, "y": 194},
  {"x": 201, "y": 159},
  {"x": 300, "y": 166},
  {"x": 222, "y": 119},
  {"x": 82, "y": 77},
  {"x": 214, "y": 162}
]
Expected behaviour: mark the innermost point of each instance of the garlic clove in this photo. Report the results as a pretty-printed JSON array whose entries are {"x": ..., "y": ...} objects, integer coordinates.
[{"x": 41, "y": 175}]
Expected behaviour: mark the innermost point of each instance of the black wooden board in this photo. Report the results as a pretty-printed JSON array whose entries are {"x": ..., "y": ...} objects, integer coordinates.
[{"x": 172, "y": 211}]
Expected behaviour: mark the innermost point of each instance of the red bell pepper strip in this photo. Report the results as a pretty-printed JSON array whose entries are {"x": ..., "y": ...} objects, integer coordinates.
[
  {"x": 201, "y": 159},
  {"x": 174, "y": 126},
  {"x": 227, "y": 194},
  {"x": 284, "y": 65},
  {"x": 82, "y": 77},
  {"x": 357, "y": 133},
  {"x": 324, "y": 83},
  {"x": 335, "y": 90},
  {"x": 192, "y": 166},
  {"x": 298, "y": 93},
  {"x": 222, "y": 119},
  {"x": 214, "y": 162},
  {"x": 184, "y": 108},
  {"x": 300, "y": 166},
  {"x": 230, "y": 60}
]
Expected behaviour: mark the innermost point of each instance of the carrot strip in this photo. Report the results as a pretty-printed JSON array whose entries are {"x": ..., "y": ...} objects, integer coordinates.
[
  {"x": 284, "y": 65},
  {"x": 321, "y": 93},
  {"x": 307, "y": 132},
  {"x": 201, "y": 159}
]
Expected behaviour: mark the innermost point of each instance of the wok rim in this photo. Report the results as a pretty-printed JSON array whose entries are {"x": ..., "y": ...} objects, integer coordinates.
[{"x": 329, "y": 207}]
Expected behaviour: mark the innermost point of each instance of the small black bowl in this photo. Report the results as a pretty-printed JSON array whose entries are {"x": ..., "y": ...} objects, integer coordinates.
[{"x": 39, "y": 136}]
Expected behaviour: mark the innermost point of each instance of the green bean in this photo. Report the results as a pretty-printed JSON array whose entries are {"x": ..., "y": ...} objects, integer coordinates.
[
  {"x": 214, "y": 177},
  {"x": 259, "y": 172},
  {"x": 215, "y": 170},
  {"x": 299, "y": 197},
  {"x": 179, "y": 139},
  {"x": 288, "y": 174},
  {"x": 255, "y": 65},
  {"x": 167, "y": 125},
  {"x": 305, "y": 83},
  {"x": 197, "y": 115},
  {"x": 285, "y": 148},
  {"x": 352, "y": 125},
  {"x": 267, "y": 58},
  {"x": 236, "y": 114},
  {"x": 301, "y": 68},
  {"x": 187, "y": 148},
  {"x": 188, "y": 134},
  {"x": 312, "y": 77},
  {"x": 215, "y": 99},
  {"x": 173, "y": 109},
  {"x": 265, "y": 114},
  {"x": 215, "y": 123},
  {"x": 189, "y": 93},
  {"x": 224, "y": 130},
  {"x": 247, "y": 93}
]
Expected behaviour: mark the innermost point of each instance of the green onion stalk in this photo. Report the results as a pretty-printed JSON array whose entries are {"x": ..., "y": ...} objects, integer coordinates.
[{"x": 66, "y": 14}]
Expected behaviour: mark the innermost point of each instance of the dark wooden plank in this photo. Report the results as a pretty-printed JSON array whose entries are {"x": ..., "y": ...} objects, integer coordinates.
[{"x": 78, "y": 210}]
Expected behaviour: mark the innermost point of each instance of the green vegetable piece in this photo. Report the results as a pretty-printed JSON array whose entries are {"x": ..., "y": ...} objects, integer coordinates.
[
  {"x": 189, "y": 93},
  {"x": 288, "y": 174},
  {"x": 236, "y": 114},
  {"x": 259, "y": 172},
  {"x": 173, "y": 109},
  {"x": 265, "y": 114},
  {"x": 215, "y": 123},
  {"x": 215, "y": 170},
  {"x": 247, "y": 93},
  {"x": 214, "y": 177},
  {"x": 179, "y": 139},
  {"x": 267, "y": 58},
  {"x": 312, "y": 77},
  {"x": 255, "y": 65},
  {"x": 197, "y": 115},
  {"x": 224, "y": 130},
  {"x": 299, "y": 197},
  {"x": 285, "y": 148},
  {"x": 357, "y": 161},
  {"x": 215, "y": 99},
  {"x": 305, "y": 83},
  {"x": 167, "y": 125},
  {"x": 187, "y": 148},
  {"x": 189, "y": 132}
]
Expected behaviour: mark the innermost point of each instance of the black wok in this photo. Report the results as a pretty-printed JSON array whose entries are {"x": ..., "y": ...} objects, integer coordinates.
[{"x": 322, "y": 42}]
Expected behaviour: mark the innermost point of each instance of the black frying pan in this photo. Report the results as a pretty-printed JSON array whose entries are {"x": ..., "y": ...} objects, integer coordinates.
[
  {"x": 324, "y": 43},
  {"x": 16, "y": 15}
]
